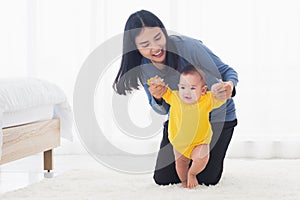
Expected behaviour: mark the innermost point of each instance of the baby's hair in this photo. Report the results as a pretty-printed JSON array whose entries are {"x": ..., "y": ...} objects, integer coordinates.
[{"x": 190, "y": 69}]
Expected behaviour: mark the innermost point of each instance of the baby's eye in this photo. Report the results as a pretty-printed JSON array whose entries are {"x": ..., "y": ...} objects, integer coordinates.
[
  {"x": 182, "y": 87},
  {"x": 192, "y": 88}
]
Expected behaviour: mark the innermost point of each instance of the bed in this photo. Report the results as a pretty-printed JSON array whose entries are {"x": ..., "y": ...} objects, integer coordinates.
[{"x": 34, "y": 115}]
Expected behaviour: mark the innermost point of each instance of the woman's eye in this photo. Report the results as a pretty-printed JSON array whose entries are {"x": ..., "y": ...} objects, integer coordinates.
[
  {"x": 145, "y": 46},
  {"x": 158, "y": 38}
]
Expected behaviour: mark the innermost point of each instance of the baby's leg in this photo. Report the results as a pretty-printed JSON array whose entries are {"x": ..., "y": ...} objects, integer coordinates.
[
  {"x": 200, "y": 156},
  {"x": 182, "y": 167}
]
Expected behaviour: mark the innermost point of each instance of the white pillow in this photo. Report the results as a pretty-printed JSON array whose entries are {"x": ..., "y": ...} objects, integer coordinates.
[{"x": 22, "y": 93}]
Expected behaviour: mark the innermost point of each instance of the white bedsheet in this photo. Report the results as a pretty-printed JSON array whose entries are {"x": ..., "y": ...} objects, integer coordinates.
[
  {"x": 19, "y": 96},
  {"x": 24, "y": 116}
]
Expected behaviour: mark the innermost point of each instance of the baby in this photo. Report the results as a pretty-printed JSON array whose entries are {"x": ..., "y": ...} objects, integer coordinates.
[{"x": 189, "y": 128}]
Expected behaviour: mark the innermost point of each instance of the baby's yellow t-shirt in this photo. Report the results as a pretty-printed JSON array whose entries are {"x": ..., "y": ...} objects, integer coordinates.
[{"x": 189, "y": 124}]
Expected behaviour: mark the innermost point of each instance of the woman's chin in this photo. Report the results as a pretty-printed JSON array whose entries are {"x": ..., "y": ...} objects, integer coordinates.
[{"x": 158, "y": 60}]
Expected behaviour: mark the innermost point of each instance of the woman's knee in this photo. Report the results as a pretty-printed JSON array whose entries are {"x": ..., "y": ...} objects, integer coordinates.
[
  {"x": 166, "y": 175},
  {"x": 158, "y": 180},
  {"x": 210, "y": 177},
  {"x": 213, "y": 180},
  {"x": 161, "y": 179}
]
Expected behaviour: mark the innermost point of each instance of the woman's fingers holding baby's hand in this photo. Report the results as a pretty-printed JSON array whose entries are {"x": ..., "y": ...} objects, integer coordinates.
[
  {"x": 156, "y": 80},
  {"x": 217, "y": 87},
  {"x": 228, "y": 86},
  {"x": 222, "y": 90},
  {"x": 218, "y": 91},
  {"x": 157, "y": 91}
]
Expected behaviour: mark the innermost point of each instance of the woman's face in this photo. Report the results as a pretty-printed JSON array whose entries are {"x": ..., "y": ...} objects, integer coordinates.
[{"x": 151, "y": 43}]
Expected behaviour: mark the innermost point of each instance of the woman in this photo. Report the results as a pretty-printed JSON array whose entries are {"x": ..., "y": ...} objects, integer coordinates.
[{"x": 149, "y": 51}]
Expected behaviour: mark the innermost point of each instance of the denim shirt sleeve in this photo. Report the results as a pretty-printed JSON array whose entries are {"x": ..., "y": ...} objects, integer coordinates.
[
  {"x": 195, "y": 52},
  {"x": 227, "y": 73},
  {"x": 162, "y": 109}
]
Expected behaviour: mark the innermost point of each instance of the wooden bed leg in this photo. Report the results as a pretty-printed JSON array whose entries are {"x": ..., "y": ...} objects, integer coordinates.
[{"x": 48, "y": 160}]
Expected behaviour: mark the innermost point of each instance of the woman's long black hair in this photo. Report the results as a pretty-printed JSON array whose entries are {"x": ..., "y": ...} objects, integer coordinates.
[{"x": 131, "y": 58}]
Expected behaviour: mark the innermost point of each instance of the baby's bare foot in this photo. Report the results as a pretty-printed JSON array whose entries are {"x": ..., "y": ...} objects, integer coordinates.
[
  {"x": 192, "y": 181},
  {"x": 184, "y": 184}
]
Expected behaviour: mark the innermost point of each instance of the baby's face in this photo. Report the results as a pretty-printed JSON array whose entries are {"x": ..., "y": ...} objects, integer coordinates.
[{"x": 191, "y": 87}]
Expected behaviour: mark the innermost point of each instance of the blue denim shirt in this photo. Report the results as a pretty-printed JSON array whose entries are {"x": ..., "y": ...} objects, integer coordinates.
[{"x": 196, "y": 53}]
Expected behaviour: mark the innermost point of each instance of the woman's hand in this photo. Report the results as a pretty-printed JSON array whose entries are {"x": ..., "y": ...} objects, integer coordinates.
[
  {"x": 157, "y": 91},
  {"x": 222, "y": 90},
  {"x": 157, "y": 87}
]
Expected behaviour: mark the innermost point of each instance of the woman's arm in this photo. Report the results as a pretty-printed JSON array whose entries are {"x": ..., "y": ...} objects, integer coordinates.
[
  {"x": 228, "y": 74},
  {"x": 196, "y": 53}
]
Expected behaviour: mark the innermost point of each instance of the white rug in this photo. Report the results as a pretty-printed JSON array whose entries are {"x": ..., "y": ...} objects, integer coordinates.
[{"x": 242, "y": 179}]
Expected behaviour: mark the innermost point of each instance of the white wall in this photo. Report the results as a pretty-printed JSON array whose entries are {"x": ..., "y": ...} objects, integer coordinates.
[{"x": 260, "y": 39}]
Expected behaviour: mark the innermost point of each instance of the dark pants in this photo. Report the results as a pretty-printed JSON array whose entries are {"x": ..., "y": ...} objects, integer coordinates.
[{"x": 165, "y": 173}]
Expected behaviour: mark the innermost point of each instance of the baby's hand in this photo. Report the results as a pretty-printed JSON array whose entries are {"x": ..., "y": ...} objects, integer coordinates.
[
  {"x": 218, "y": 90},
  {"x": 157, "y": 87},
  {"x": 156, "y": 80}
]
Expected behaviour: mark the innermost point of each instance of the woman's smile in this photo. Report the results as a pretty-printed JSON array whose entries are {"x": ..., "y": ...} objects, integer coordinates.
[
  {"x": 151, "y": 43},
  {"x": 159, "y": 53}
]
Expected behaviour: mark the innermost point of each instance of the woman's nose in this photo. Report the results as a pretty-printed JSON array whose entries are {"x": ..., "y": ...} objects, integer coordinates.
[{"x": 155, "y": 47}]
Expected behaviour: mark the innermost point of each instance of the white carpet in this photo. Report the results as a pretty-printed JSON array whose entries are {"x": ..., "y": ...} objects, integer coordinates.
[{"x": 242, "y": 179}]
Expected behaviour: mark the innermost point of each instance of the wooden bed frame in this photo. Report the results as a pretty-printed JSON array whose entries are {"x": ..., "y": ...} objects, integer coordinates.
[{"x": 29, "y": 139}]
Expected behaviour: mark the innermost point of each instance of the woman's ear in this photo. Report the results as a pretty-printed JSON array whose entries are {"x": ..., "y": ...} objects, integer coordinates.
[{"x": 204, "y": 89}]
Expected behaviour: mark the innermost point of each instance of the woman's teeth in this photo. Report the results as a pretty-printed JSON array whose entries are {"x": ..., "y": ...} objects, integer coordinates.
[{"x": 156, "y": 54}]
